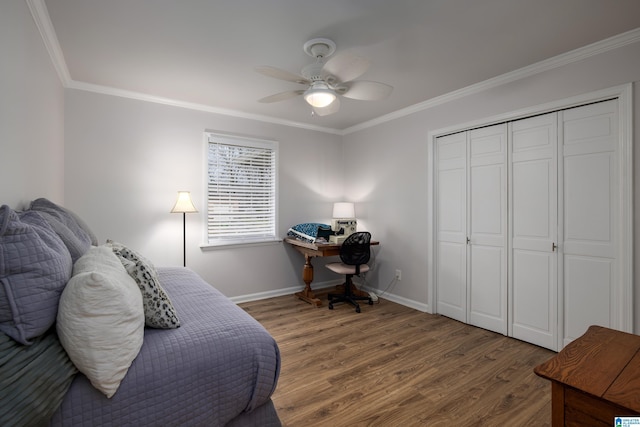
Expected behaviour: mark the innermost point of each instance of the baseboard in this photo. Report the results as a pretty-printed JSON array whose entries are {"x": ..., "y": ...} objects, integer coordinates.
[
  {"x": 400, "y": 300},
  {"x": 329, "y": 284},
  {"x": 284, "y": 291}
]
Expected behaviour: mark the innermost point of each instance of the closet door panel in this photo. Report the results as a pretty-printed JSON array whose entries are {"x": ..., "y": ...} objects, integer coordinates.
[
  {"x": 588, "y": 210},
  {"x": 451, "y": 207},
  {"x": 533, "y": 191},
  {"x": 532, "y": 309},
  {"x": 587, "y": 283},
  {"x": 451, "y": 277},
  {"x": 487, "y": 194},
  {"x": 587, "y": 200},
  {"x": 486, "y": 294},
  {"x": 487, "y": 198},
  {"x": 451, "y": 226},
  {"x": 533, "y": 221}
]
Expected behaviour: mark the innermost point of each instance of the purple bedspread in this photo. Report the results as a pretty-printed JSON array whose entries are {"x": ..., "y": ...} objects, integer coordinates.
[{"x": 220, "y": 366}]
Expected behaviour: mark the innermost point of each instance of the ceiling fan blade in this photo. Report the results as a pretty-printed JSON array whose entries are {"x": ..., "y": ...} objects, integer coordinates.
[
  {"x": 346, "y": 66},
  {"x": 277, "y": 73},
  {"x": 329, "y": 109},
  {"x": 281, "y": 96},
  {"x": 364, "y": 90}
]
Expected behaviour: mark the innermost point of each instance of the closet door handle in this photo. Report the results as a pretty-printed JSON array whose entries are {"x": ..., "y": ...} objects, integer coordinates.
[
  {"x": 553, "y": 247},
  {"x": 468, "y": 240}
]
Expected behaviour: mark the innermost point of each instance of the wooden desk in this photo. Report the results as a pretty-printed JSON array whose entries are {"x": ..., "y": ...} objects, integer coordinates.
[
  {"x": 310, "y": 250},
  {"x": 594, "y": 379}
]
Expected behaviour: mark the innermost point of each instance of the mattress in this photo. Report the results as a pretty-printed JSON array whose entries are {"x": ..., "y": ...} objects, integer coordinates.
[{"x": 218, "y": 366}]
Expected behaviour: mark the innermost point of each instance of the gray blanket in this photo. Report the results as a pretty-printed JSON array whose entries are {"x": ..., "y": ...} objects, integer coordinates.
[
  {"x": 33, "y": 379},
  {"x": 220, "y": 365}
]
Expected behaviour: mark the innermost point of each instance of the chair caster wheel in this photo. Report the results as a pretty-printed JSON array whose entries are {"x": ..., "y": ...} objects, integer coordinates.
[
  {"x": 330, "y": 306},
  {"x": 357, "y": 309}
]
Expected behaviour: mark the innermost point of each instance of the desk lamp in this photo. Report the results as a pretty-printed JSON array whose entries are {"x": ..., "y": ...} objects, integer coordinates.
[
  {"x": 184, "y": 205},
  {"x": 344, "y": 221}
]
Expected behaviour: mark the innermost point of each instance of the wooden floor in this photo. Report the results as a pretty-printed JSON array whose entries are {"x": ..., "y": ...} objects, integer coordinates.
[{"x": 394, "y": 366}]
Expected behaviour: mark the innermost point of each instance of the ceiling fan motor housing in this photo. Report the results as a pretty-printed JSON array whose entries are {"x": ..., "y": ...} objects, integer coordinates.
[{"x": 313, "y": 71}]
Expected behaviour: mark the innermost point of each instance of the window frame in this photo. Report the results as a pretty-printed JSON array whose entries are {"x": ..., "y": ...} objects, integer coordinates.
[{"x": 212, "y": 137}]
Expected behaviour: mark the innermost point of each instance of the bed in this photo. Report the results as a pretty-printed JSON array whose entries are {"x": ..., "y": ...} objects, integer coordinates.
[
  {"x": 216, "y": 367},
  {"x": 219, "y": 367}
]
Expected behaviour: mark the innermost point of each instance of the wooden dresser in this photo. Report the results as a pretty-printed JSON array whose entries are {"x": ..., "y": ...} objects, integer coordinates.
[{"x": 594, "y": 379}]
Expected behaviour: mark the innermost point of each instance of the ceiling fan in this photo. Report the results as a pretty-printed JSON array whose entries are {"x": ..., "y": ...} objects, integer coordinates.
[{"x": 326, "y": 80}]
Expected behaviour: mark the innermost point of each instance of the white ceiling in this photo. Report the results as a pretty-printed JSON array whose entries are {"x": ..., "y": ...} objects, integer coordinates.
[{"x": 205, "y": 51}]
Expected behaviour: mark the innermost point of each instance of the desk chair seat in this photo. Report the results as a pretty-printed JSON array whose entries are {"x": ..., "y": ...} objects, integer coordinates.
[{"x": 354, "y": 253}]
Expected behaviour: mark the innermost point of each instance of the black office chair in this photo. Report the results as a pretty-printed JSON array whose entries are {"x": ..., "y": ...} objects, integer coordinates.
[{"x": 354, "y": 253}]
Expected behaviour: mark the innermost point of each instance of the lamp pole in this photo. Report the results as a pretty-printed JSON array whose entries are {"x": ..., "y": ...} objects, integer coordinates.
[
  {"x": 184, "y": 205},
  {"x": 184, "y": 239}
]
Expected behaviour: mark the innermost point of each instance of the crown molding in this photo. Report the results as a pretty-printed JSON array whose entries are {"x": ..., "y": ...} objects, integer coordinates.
[
  {"x": 40, "y": 15},
  {"x": 107, "y": 90},
  {"x": 43, "y": 22},
  {"x": 615, "y": 42}
]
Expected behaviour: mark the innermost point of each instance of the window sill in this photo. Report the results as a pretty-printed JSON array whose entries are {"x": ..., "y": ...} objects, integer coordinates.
[{"x": 238, "y": 244}]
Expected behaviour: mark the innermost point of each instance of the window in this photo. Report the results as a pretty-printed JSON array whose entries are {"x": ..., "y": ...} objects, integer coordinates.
[{"x": 241, "y": 190}]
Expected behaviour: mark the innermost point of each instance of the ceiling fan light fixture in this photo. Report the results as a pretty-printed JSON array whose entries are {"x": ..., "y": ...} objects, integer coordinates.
[{"x": 319, "y": 97}]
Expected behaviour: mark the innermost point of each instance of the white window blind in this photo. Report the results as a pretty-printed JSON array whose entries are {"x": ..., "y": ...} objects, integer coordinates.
[{"x": 241, "y": 197}]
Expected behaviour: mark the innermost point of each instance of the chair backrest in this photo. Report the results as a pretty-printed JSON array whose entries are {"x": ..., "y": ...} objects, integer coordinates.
[{"x": 356, "y": 249}]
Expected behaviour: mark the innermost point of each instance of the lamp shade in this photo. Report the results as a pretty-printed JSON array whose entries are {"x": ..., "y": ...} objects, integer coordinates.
[
  {"x": 184, "y": 203},
  {"x": 320, "y": 97},
  {"x": 344, "y": 210}
]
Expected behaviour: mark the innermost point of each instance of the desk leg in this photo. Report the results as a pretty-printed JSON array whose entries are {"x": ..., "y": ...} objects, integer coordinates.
[{"x": 307, "y": 276}]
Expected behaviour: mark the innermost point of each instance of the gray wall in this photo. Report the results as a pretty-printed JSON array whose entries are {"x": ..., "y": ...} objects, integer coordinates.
[
  {"x": 127, "y": 159},
  {"x": 31, "y": 112}
]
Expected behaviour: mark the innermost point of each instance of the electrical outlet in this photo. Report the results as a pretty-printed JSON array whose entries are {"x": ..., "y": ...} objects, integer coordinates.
[{"x": 399, "y": 274}]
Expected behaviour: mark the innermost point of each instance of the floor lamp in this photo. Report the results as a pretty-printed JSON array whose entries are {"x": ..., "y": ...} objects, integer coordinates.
[{"x": 184, "y": 205}]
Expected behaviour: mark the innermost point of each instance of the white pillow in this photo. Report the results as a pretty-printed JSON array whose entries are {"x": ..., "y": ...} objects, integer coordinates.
[{"x": 100, "y": 319}]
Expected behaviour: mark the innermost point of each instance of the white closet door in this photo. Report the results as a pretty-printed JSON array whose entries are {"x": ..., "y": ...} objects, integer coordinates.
[
  {"x": 590, "y": 200},
  {"x": 533, "y": 223},
  {"x": 487, "y": 228},
  {"x": 451, "y": 262}
]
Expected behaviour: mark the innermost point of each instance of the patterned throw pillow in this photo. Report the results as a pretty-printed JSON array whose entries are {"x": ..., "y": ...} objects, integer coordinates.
[{"x": 158, "y": 309}]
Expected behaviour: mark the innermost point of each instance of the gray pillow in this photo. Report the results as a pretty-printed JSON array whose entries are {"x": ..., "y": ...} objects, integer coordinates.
[
  {"x": 34, "y": 268},
  {"x": 158, "y": 309},
  {"x": 75, "y": 234}
]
